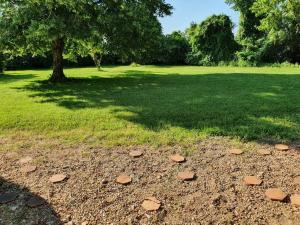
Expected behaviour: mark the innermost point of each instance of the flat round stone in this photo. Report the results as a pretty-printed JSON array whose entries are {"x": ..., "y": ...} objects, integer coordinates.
[
  {"x": 252, "y": 180},
  {"x": 282, "y": 147},
  {"x": 124, "y": 179},
  {"x": 297, "y": 180},
  {"x": 177, "y": 158},
  {"x": 151, "y": 204},
  {"x": 8, "y": 197},
  {"x": 264, "y": 152},
  {"x": 295, "y": 200},
  {"x": 28, "y": 169},
  {"x": 25, "y": 160},
  {"x": 276, "y": 194},
  {"x": 57, "y": 178},
  {"x": 34, "y": 202},
  {"x": 186, "y": 175},
  {"x": 136, "y": 153},
  {"x": 236, "y": 151},
  {"x": 11, "y": 155}
]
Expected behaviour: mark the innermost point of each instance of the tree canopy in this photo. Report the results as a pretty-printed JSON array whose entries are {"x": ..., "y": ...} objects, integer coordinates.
[
  {"x": 212, "y": 41},
  {"x": 126, "y": 31},
  {"x": 37, "y": 26},
  {"x": 249, "y": 22},
  {"x": 281, "y": 23}
]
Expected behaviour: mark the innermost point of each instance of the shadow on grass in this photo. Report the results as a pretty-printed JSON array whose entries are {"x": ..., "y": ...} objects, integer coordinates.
[
  {"x": 4, "y": 78},
  {"x": 249, "y": 106},
  {"x": 18, "y": 212}
]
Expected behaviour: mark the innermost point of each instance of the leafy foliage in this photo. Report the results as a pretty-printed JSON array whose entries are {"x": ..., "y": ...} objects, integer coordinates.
[
  {"x": 175, "y": 49},
  {"x": 281, "y": 22},
  {"x": 249, "y": 22},
  {"x": 212, "y": 41},
  {"x": 37, "y": 26}
]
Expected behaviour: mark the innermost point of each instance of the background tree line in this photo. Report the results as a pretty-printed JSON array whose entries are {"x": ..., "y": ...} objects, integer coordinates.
[{"x": 122, "y": 32}]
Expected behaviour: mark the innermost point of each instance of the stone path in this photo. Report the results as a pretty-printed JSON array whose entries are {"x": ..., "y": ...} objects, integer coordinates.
[{"x": 186, "y": 173}]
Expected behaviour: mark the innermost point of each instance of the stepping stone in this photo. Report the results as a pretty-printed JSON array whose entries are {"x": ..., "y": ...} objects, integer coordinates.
[
  {"x": 151, "y": 204},
  {"x": 295, "y": 200},
  {"x": 177, "y": 158},
  {"x": 11, "y": 155},
  {"x": 35, "y": 202},
  {"x": 236, "y": 151},
  {"x": 276, "y": 194},
  {"x": 282, "y": 147},
  {"x": 25, "y": 160},
  {"x": 57, "y": 178},
  {"x": 186, "y": 175},
  {"x": 264, "y": 152},
  {"x": 136, "y": 153},
  {"x": 297, "y": 180},
  {"x": 28, "y": 169},
  {"x": 252, "y": 180},
  {"x": 124, "y": 179},
  {"x": 8, "y": 197}
]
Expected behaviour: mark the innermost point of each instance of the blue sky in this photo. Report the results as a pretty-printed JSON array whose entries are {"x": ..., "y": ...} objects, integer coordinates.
[{"x": 187, "y": 11}]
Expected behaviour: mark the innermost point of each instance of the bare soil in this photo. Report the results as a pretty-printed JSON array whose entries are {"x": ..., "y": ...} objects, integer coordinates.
[{"x": 91, "y": 195}]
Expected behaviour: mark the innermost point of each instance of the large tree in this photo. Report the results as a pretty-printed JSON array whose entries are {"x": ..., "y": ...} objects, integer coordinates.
[
  {"x": 281, "y": 22},
  {"x": 37, "y": 26},
  {"x": 175, "y": 48},
  {"x": 136, "y": 38},
  {"x": 249, "y": 22},
  {"x": 212, "y": 41}
]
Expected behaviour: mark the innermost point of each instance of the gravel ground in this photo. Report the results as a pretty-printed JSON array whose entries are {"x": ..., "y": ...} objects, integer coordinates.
[{"x": 91, "y": 195}]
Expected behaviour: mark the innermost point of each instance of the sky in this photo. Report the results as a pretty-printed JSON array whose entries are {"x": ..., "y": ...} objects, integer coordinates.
[{"x": 187, "y": 11}]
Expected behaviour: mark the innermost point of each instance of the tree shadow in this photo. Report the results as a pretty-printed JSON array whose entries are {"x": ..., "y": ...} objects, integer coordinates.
[
  {"x": 5, "y": 78},
  {"x": 249, "y": 106},
  {"x": 21, "y": 208}
]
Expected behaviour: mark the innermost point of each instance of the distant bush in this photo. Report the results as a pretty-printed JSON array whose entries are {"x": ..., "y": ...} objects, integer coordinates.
[{"x": 134, "y": 64}]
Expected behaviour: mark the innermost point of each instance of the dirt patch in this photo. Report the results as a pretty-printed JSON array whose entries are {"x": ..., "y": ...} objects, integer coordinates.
[{"x": 91, "y": 195}]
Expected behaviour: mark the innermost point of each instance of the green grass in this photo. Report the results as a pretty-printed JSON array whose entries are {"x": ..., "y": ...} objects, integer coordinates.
[{"x": 152, "y": 105}]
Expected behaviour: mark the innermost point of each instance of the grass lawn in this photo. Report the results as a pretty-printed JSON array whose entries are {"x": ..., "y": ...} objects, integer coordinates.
[{"x": 152, "y": 105}]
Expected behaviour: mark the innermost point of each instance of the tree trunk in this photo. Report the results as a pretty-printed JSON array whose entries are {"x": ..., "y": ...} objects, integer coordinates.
[
  {"x": 97, "y": 60},
  {"x": 58, "y": 65},
  {"x": 1, "y": 63}
]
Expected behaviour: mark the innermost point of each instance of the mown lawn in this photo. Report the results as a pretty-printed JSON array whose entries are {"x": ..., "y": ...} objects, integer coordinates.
[{"x": 152, "y": 105}]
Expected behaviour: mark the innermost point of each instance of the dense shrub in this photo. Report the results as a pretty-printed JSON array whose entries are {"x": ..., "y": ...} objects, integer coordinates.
[
  {"x": 175, "y": 49},
  {"x": 212, "y": 41}
]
